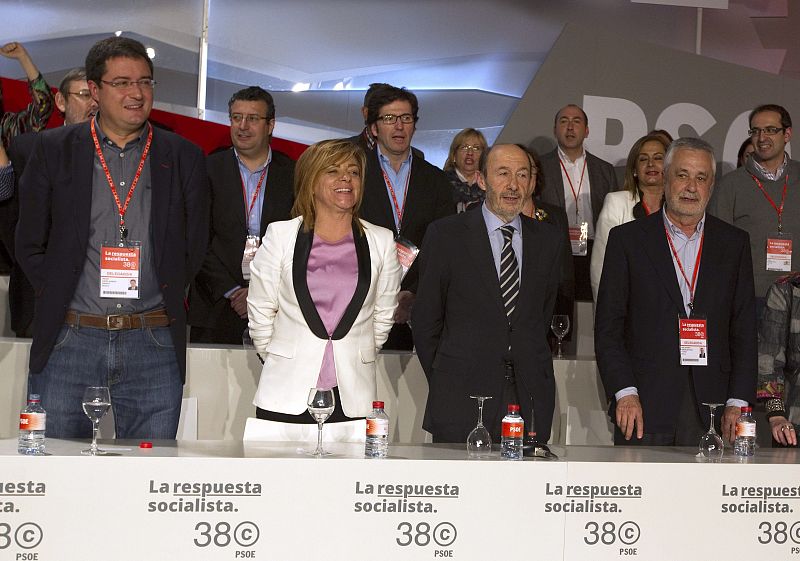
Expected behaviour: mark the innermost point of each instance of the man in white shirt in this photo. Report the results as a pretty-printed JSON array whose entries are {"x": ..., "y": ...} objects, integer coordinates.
[{"x": 578, "y": 182}]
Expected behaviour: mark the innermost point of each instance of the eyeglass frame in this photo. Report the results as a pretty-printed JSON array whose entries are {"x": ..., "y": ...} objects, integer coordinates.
[
  {"x": 143, "y": 83},
  {"x": 251, "y": 118},
  {"x": 83, "y": 94},
  {"x": 391, "y": 119},
  {"x": 470, "y": 147},
  {"x": 756, "y": 131}
]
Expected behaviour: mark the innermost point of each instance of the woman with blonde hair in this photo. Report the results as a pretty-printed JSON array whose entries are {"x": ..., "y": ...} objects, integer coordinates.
[
  {"x": 642, "y": 194},
  {"x": 323, "y": 291},
  {"x": 461, "y": 167}
]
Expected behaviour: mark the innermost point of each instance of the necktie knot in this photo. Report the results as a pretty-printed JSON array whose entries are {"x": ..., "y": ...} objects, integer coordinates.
[{"x": 508, "y": 232}]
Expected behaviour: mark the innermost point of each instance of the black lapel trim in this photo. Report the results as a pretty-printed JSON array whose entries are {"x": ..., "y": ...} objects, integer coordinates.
[{"x": 302, "y": 251}]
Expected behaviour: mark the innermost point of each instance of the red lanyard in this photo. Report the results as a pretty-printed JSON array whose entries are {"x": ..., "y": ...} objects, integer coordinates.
[
  {"x": 249, "y": 208},
  {"x": 779, "y": 210},
  {"x": 680, "y": 265},
  {"x": 123, "y": 231},
  {"x": 398, "y": 209},
  {"x": 644, "y": 206},
  {"x": 571, "y": 186}
]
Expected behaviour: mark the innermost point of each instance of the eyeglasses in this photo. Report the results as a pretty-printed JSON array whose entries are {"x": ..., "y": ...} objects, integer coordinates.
[
  {"x": 83, "y": 94},
  {"x": 251, "y": 119},
  {"x": 405, "y": 118},
  {"x": 471, "y": 148},
  {"x": 144, "y": 83},
  {"x": 769, "y": 131}
]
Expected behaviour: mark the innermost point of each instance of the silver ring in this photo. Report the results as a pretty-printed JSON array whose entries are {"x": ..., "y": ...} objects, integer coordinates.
[{"x": 783, "y": 428}]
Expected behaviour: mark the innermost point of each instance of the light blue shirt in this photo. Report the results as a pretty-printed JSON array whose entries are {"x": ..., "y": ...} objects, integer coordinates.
[
  {"x": 399, "y": 181},
  {"x": 250, "y": 181},
  {"x": 496, "y": 240}
]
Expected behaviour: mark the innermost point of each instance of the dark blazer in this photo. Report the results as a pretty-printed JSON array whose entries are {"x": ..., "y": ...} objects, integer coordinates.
[
  {"x": 222, "y": 267},
  {"x": 53, "y": 229},
  {"x": 602, "y": 180},
  {"x": 461, "y": 331},
  {"x": 429, "y": 197},
  {"x": 565, "y": 302},
  {"x": 20, "y": 291},
  {"x": 636, "y": 329}
]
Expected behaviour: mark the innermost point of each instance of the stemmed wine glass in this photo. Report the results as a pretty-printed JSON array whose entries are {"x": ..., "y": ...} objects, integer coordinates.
[
  {"x": 560, "y": 326},
  {"x": 711, "y": 444},
  {"x": 320, "y": 405},
  {"x": 96, "y": 403},
  {"x": 479, "y": 441}
]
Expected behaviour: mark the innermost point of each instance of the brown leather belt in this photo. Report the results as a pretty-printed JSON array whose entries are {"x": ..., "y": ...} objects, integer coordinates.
[{"x": 154, "y": 318}]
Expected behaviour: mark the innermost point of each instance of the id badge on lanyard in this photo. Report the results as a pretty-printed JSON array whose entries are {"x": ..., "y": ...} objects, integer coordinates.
[
  {"x": 406, "y": 253},
  {"x": 579, "y": 239},
  {"x": 779, "y": 252},
  {"x": 251, "y": 246},
  {"x": 120, "y": 269},
  {"x": 693, "y": 337}
]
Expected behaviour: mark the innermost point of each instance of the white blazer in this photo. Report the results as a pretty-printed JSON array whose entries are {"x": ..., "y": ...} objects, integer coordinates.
[
  {"x": 617, "y": 209},
  {"x": 294, "y": 353}
]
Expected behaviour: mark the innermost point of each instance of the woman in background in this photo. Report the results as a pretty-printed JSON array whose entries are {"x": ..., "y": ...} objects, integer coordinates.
[
  {"x": 323, "y": 291},
  {"x": 462, "y": 165},
  {"x": 642, "y": 194}
]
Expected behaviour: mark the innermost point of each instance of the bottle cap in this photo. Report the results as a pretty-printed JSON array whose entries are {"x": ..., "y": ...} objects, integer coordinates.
[
  {"x": 513, "y": 408},
  {"x": 747, "y": 409},
  {"x": 145, "y": 444},
  {"x": 34, "y": 397},
  {"x": 377, "y": 405}
]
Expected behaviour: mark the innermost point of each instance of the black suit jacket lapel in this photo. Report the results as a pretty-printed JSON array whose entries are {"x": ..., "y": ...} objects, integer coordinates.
[
  {"x": 481, "y": 251},
  {"x": 596, "y": 181},
  {"x": 276, "y": 174},
  {"x": 233, "y": 189},
  {"x": 558, "y": 183},
  {"x": 660, "y": 255},
  {"x": 302, "y": 251},
  {"x": 531, "y": 262},
  {"x": 378, "y": 199},
  {"x": 161, "y": 182},
  {"x": 410, "y": 201},
  {"x": 83, "y": 155},
  {"x": 711, "y": 262}
]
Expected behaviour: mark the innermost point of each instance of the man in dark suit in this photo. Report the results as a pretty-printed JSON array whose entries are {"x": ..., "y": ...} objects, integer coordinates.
[
  {"x": 102, "y": 203},
  {"x": 578, "y": 182},
  {"x": 678, "y": 263},
  {"x": 76, "y": 104},
  {"x": 488, "y": 284},
  {"x": 402, "y": 191},
  {"x": 251, "y": 186}
]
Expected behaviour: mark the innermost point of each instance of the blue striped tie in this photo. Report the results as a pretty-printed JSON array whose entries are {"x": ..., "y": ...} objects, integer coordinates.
[{"x": 509, "y": 272}]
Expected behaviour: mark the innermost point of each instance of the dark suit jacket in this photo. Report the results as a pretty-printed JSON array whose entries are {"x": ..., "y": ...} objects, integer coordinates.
[
  {"x": 53, "y": 229},
  {"x": 429, "y": 197},
  {"x": 222, "y": 267},
  {"x": 636, "y": 328},
  {"x": 602, "y": 180},
  {"x": 20, "y": 291},
  {"x": 461, "y": 331}
]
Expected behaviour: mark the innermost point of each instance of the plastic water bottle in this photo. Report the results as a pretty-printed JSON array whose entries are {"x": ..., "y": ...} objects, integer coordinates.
[
  {"x": 511, "y": 437},
  {"x": 32, "y": 422},
  {"x": 745, "y": 443},
  {"x": 377, "y": 445}
]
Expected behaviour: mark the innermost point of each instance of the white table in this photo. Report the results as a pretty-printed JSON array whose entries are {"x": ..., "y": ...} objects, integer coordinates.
[{"x": 211, "y": 500}]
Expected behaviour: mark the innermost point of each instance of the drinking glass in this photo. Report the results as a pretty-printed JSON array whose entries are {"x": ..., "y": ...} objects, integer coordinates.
[
  {"x": 479, "y": 441},
  {"x": 711, "y": 444},
  {"x": 560, "y": 326},
  {"x": 96, "y": 403},
  {"x": 320, "y": 405}
]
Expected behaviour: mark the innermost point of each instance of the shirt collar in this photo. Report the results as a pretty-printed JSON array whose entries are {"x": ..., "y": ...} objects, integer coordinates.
[
  {"x": 493, "y": 222},
  {"x": 105, "y": 140},
  {"x": 675, "y": 231},
  {"x": 565, "y": 158},
  {"x": 762, "y": 171},
  {"x": 259, "y": 168},
  {"x": 385, "y": 161}
]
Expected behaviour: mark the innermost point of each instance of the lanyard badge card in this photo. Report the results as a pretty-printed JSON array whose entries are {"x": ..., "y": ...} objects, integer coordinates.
[
  {"x": 579, "y": 239},
  {"x": 251, "y": 246},
  {"x": 120, "y": 269},
  {"x": 779, "y": 252},
  {"x": 406, "y": 253},
  {"x": 693, "y": 337}
]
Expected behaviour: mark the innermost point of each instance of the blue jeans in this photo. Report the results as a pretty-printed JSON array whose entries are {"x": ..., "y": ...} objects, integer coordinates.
[{"x": 139, "y": 367}]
